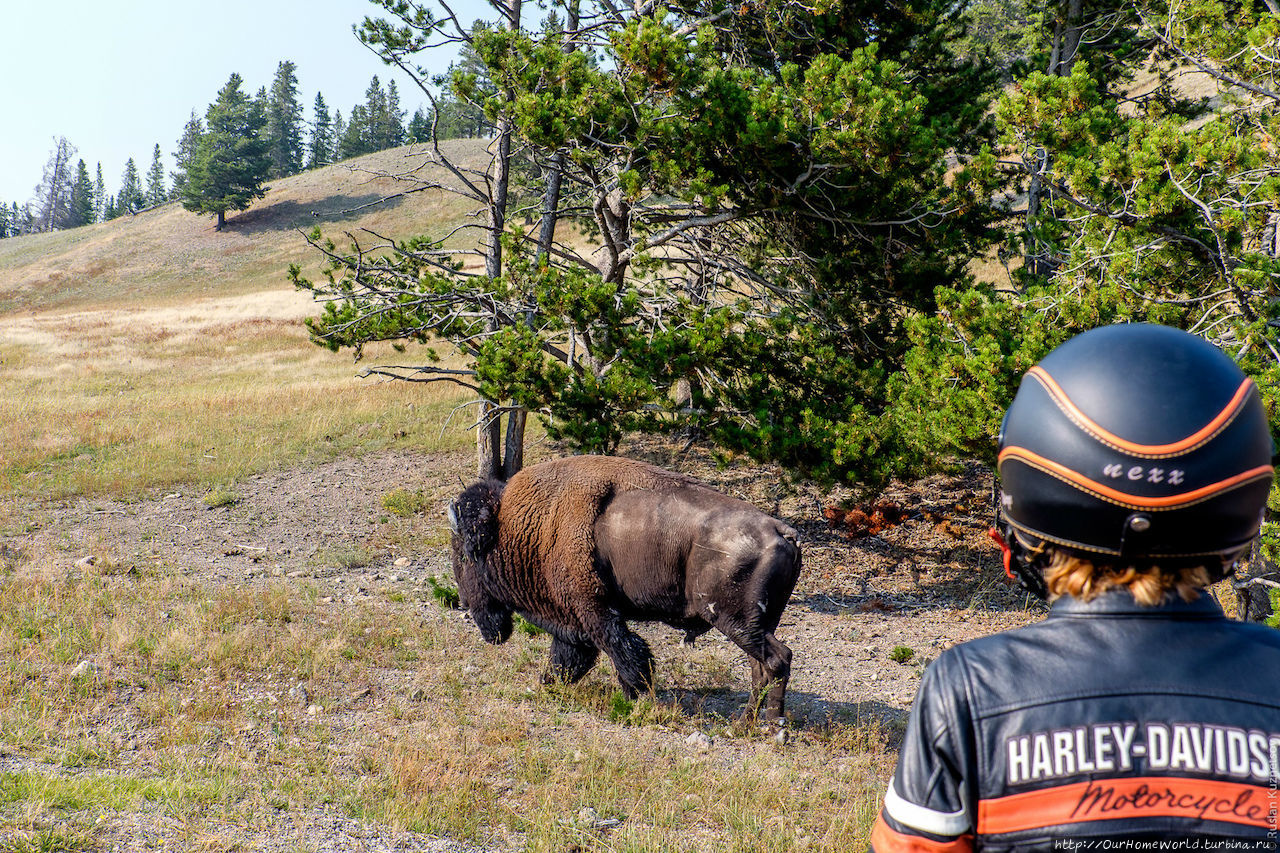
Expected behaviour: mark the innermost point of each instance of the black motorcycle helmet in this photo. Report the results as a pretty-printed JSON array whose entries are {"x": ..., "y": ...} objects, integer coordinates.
[{"x": 1133, "y": 445}]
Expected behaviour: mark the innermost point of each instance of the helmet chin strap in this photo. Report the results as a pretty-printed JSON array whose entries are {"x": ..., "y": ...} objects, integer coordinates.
[{"x": 1017, "y": 567}]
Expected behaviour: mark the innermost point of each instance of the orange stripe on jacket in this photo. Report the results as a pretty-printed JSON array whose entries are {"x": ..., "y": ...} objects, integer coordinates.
[
  {"x": 884, "y": 839},
  {"x": 1201, "y": 435},
  {"x": 1139, "y": 797}
]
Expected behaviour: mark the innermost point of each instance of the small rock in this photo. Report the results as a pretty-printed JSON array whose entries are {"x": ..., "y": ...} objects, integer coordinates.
[
  {"x": 591, "y": 818},
  {"x": 700, "y": 741},
  {"x": 86, "y": 561},
  {"x": 85, "y": 667},
  {"x": 299, "y": 573},
  {"x": 401, "y": 563},
  {"x": 251, "y": 572},
  {"x": 394, "y": 578},
  {"x": 299, "y": 691},
  {"x": 782, "y": 737},
  {"x": 277, "y": 572},
  {"x": 313, "y": 710},
  {"x": 418, "y": 694},
  {"x": 361, "y": 694}
]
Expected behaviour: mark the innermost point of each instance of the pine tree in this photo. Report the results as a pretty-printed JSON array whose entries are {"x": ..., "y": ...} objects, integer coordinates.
[
  {"x": 4, "y": 221},
  {"x": 183, "y": 157},
  {"x": 284, "y": 122},
  {"x": 321, "y": 135},
  {"x": 393, "y": 124},
  {"x": 155, "y": 180},
  {"x": 130, "y": 199},
  {"x": 419, "y": 127},
  {"x": 339, "y": 133},
  {"x": 82, "y": 201},
  {"x": 99, "y": 197},
  {"x": 376, "y": 119},
  {"x": 232, "y": 159},
  {"x": 355, "y": 139}
]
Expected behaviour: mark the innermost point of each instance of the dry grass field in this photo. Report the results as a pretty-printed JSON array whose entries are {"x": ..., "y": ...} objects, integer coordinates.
[{"x": 221, "y": 564}]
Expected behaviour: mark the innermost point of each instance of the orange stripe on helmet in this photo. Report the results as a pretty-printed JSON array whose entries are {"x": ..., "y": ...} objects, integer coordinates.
[
  {"x": 1101, "y": 490},
  {"x": 1192, "y": 441},
  {"x": 1138, "y": 797},
  {"x": 884, "y": 839}
]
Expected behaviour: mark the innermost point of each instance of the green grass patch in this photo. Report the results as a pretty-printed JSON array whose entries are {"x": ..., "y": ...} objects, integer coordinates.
[{"x": 404, "y": 503}]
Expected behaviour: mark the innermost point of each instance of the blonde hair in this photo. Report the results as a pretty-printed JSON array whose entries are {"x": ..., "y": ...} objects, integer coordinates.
[{"x": 1073, "y": 575}]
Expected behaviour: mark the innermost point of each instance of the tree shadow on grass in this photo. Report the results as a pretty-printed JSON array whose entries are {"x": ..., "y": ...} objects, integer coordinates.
[{"x": 292, "y": 215}]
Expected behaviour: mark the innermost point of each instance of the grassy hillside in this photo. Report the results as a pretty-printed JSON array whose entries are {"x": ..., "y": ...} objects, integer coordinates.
[
  {"x": 152, "y": 350},
  {"x": 168, "y": 255}
]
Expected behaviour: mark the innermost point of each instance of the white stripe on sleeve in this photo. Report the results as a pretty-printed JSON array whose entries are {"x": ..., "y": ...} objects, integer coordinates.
[{"x": 924, "y": 819}]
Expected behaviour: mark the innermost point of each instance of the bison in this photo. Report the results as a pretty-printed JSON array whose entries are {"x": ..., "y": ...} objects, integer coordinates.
[{"x": 580, "y": 545}]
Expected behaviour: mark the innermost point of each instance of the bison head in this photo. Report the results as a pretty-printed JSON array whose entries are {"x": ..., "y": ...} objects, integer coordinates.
[{"x": 473, "y": 518}]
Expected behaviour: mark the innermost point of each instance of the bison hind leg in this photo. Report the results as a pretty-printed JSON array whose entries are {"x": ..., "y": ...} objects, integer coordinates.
[
  {"x": 570, "y": 660},
  {"x": 770, "y": 668},
  {"x": 771, "y": 675}
]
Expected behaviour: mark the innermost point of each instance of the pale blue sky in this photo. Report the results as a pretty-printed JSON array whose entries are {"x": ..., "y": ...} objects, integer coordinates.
[{"x": 118, "y": 76}]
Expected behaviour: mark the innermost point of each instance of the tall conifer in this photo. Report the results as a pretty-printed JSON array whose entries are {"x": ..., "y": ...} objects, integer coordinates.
[
  {"x": 321, "y": 135},
  {"x": 99, "y": 196},
  {"x": 284, "y": 122},
  {"x": 155, "y": 180},
  {"x": 82, "y": 206},
  {"x": 232, "y": 159}
]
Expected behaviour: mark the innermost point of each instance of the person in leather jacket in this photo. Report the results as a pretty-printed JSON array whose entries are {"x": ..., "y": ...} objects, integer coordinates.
[{"x": 1134, "y": 465}]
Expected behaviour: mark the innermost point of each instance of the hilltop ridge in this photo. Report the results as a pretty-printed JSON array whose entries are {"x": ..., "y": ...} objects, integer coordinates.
[{"x": 167, "y": 254}]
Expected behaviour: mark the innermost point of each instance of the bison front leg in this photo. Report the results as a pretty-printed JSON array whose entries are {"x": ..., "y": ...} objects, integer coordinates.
[
  {"x": 629, "y": 652},
  {"x": 570, "y": 660}
]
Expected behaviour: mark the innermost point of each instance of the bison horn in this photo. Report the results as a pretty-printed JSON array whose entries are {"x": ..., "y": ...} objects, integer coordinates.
[{"x": 453, "y": 519}]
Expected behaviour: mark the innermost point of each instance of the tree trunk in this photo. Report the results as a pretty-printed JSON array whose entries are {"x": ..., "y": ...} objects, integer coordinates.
[
  {"x": 551, "y": 198},
  {"x": 222, "y": 220},
  {"x": 1067, "y": 32},
  {"x": 489, "y": 446}
]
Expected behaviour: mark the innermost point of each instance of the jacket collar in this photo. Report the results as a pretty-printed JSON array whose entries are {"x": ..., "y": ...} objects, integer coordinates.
[{"x": 1121, "y": 603}]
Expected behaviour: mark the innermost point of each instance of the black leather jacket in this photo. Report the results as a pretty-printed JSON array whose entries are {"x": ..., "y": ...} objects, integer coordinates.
[{"x": 1107, "y": 722}]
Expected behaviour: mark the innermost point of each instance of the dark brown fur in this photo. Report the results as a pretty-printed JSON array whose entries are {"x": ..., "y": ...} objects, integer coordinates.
[{"x": 580, "y": 545}]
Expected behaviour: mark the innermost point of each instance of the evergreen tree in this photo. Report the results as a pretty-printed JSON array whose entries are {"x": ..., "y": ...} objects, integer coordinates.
[
  {"x": 355, "y": 139},
  {"x": 5, "y": 217},
  {"x": 156, "y": 193},
  {"x": 393, "y": 124},
  {"x": 774, "y": 193},
  {"x": 82, "y": 201},
  {"x": 131, "y": 198},
  {"x": 376, "y": 117},
  {"x": 339, "y": 134},
  {"x": 232, "y": 159},
  {"x": 99, "y": 197},
  {"x": 419, "y": 127},
  {"x": 186, "y": 153},
  {"x": 284, "y": 122},
  {"x": 321, "y": 135}
]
